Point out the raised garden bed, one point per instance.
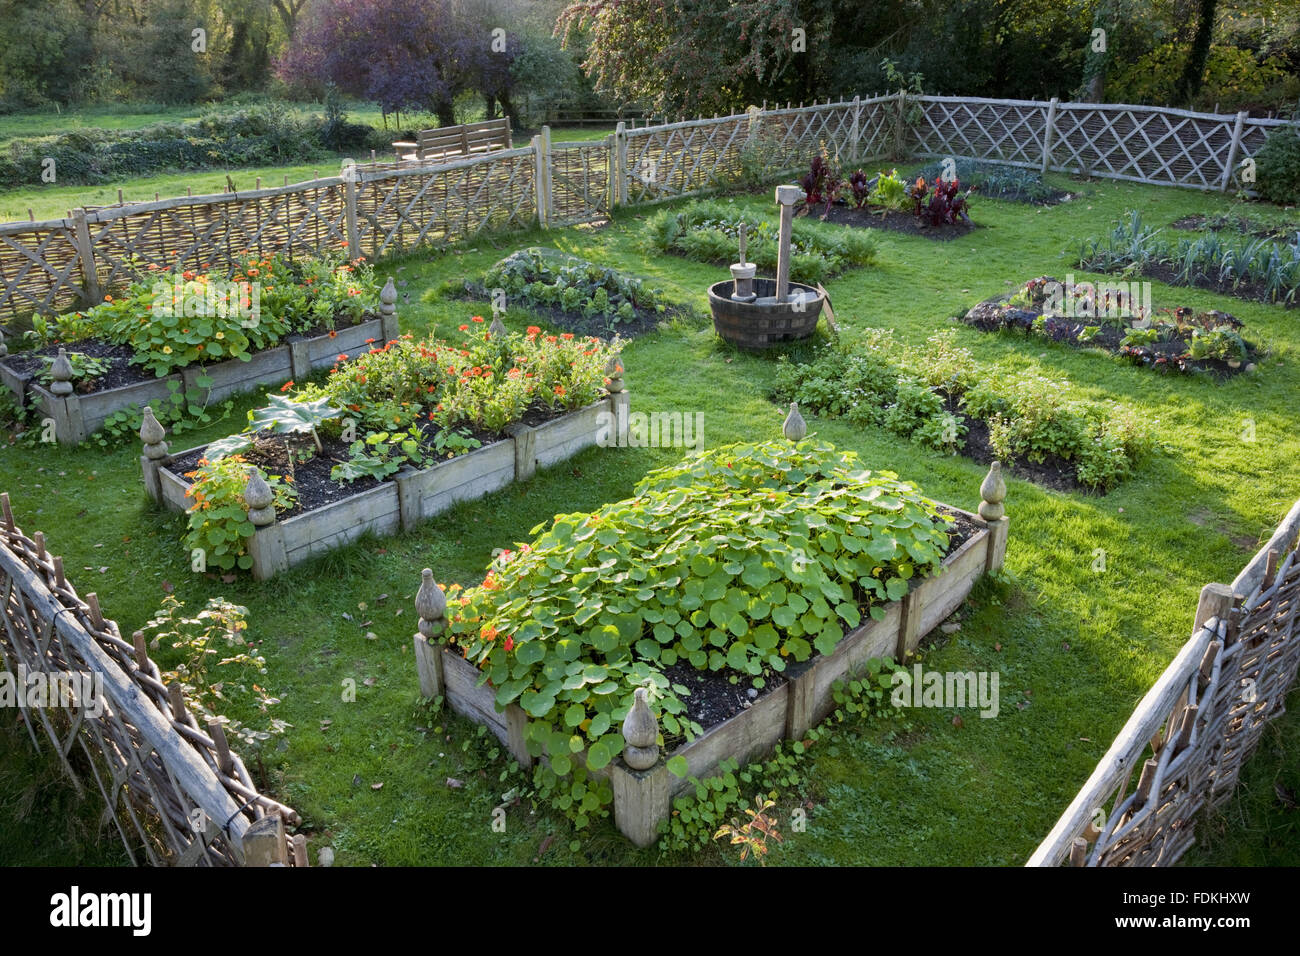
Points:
(892, 220)
(1253, 268)
(709, 232)
(411, 496)
(937, 396)
(571, 294)
(80, 414)
(785, 709)
(998, 181)
(1115, 320)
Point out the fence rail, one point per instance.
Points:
(1197, 725)
(382, 208)
(174, 790)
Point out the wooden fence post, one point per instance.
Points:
(855, 131)
(1049, 133)
(1216, 601)
(350, 210)
(85, 256)
(617, 160)
(542, 156)
(1232, 151)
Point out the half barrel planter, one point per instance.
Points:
(77, 417)
(412, 495)
(643, 798)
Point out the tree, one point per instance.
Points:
(1189, 84)
(402, 54)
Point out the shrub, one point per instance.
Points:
(549, 277)
(1277, 166)
(710, 232)
(913, 391)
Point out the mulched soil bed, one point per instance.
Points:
(1247, 291)
(714, 698)
(988, 316)
(1052, 472)
(121, 372)
(312, 478)
(892, 220)
(1240, 224)
(580, 325)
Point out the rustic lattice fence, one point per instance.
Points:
(175, 791)
(382, 208)
(1197, 725)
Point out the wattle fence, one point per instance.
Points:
(1197, 725)
(175, 792)
(382, 209)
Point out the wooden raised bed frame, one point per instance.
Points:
(643, 798)
(77, 417)
(413, 495)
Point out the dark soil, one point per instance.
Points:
(311, 471)
(1053, 472)
(714, 698)
(989, 316)
(600, 326)
(1247, 291)
(891, 219)
(1240, 224)
(121, 372)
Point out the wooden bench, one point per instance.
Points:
(451, 142)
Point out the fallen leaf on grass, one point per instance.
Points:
(546, 845)
(958, 722)
(377, 786)
(369, 682)
(454, 783)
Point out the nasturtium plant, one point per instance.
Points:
(738, 560)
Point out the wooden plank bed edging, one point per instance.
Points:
(643, 798)
(414, 495)
(77, 417)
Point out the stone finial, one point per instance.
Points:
(794, 427)
(61, 372)
(152, 434)
(614, 372)
(4, 349)
(640, 734)
(497, 328)
(258, 498)
(430, 605)
(992, 492)
(388, 297)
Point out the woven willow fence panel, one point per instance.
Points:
(399, 209)
(1197, 725)
(174, 791)
(39, 267)
(579, 182)
(57, 264)
(1167, 147)
(213, 232)
(1004, 132)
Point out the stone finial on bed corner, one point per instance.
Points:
(794, 427)
(430, 605)
(640, 734)
(993, 490)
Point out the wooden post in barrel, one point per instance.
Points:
(786, 197)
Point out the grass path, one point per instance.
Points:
(1076, 649)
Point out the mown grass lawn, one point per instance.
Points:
(1075, 648)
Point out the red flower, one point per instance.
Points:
(533, 331)
(464, 328)
(567, 335)
(510, 643)
(477, 318)
(286, 386)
